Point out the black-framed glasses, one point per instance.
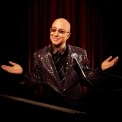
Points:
(61, 31)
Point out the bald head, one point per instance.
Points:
(60, 33)
(63, 23)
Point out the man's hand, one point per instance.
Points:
(109, 62)
(14, 68)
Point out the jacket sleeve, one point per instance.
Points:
(31, 81)
(99, 79)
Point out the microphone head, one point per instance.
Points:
(74, 55)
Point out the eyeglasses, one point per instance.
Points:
(61, 31)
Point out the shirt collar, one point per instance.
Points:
(55, 51)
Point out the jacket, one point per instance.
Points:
(43, 82)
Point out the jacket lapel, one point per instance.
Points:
(50, 67)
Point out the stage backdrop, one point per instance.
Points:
(95, 26)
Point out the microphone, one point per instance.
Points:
(75, 56)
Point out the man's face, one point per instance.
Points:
(59, 33)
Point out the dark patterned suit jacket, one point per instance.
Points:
(45, 82)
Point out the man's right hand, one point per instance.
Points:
(14, 68)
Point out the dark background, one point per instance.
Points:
(96, 25)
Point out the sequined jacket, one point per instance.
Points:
(45, 81)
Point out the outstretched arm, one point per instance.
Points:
(14, 68)
(109, 62)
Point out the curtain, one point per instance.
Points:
(95, 27)
(85, 19)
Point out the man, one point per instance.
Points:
(65, 85)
